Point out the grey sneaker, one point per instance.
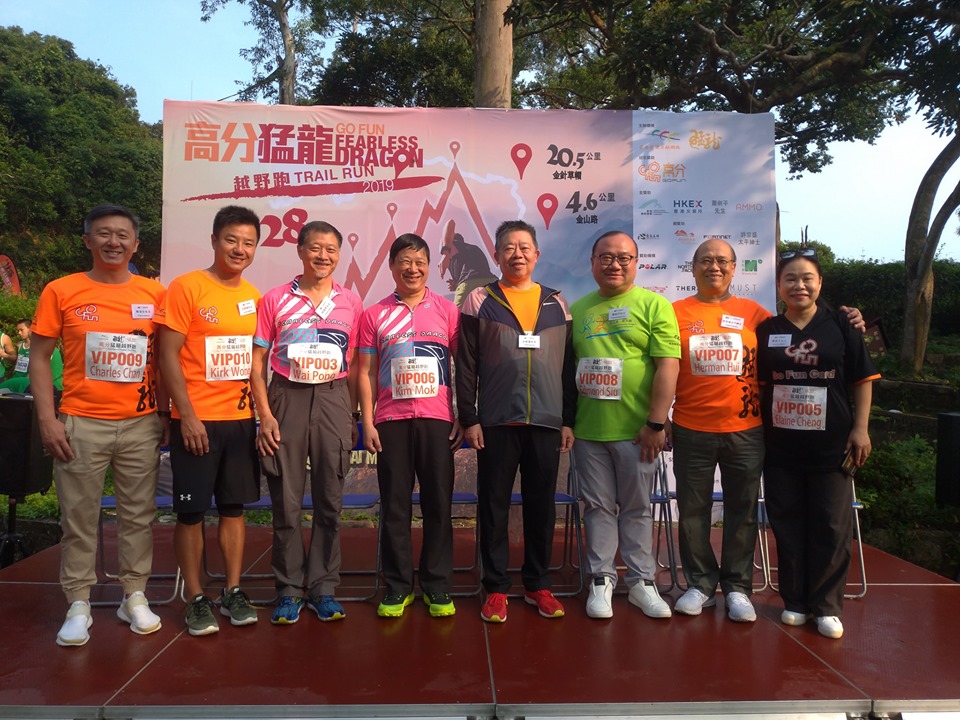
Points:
(235, 604)
(200, 617)
(693, 601)
(739, 608)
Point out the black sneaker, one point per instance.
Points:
(440, 604)
(200, 617)
(235, 604)
(393, 604)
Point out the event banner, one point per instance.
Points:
(452, 176)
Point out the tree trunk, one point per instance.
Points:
(288, 75)
(922, 241)
(493, 57)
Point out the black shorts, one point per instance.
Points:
(230, 470)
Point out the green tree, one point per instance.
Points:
(287, 56)
(70, 138)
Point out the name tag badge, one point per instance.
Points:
(247, 307)
(619, 313)
(780, 340)
(142, 312)
(325, 307)
(732, 322)
(529, 341)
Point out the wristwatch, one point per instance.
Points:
(655, 426)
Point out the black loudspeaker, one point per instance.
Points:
(948, 460)
(24, 466)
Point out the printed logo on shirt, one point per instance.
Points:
(695, 328)
(804, 353)
(87, 313)
(209, 314)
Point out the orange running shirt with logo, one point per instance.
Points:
(717, 387)
(525, 304)
(108, 342)
(219, 323)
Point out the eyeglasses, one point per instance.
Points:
(606, 259)
(722, 263)
(804, 252)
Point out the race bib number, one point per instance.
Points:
(115, 358)
(23, 362)
(415, 377)
(716, 354)
(600, 378)
(228, 357)
(798, 407)
(314, 363)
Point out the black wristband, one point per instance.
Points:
(655, 426)
(356, 414)
(163, 413)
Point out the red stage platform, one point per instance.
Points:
(899, 654)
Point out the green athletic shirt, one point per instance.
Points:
(635, 327)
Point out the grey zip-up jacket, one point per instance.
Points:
(500, 383)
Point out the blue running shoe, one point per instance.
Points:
(288, 611)
(326, 608)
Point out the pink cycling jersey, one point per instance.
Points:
(288, 321)
(414, 350)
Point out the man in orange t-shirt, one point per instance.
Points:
(206, 346)
(107, 415)
(716, 420)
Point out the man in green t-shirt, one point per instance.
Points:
(627, 346)
(20, 381)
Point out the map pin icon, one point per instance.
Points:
(401, 161)
(391, 209)
(547, 205)
(521, 154)
(454, 148)
(353, 239)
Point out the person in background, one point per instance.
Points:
(19, 382)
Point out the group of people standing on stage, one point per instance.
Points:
(515, 372)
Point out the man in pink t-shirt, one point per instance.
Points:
(308, 327)
(407, 341)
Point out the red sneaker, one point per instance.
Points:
(495, 608)
(546, 603)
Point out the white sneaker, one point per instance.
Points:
(789, 617)
(598, 601)
(830, 626)
(136, 610)
(693, 601)
(739, 608)
(646, 597)
(74, 630)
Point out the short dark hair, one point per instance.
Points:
(611, 233)
(25, 321)
(235, 215)
(510, 226)
(318, 226)
(411, 241)
(109, 210)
